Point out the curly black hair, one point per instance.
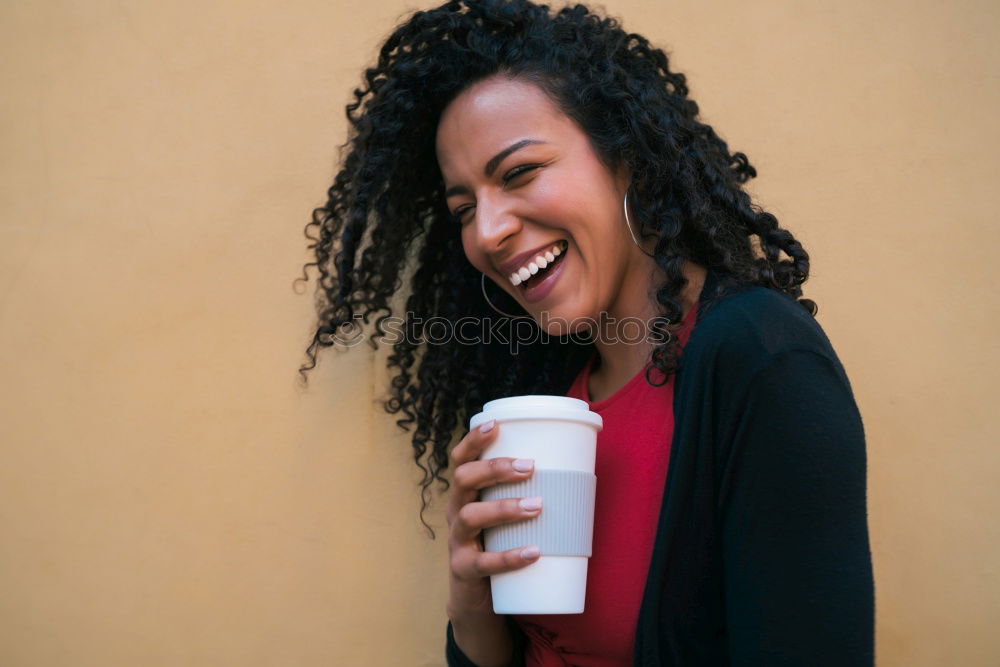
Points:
(385, 215)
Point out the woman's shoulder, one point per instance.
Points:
(745, 326)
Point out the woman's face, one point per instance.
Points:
(550, 188)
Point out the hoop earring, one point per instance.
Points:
(628, 224)
(486, 296)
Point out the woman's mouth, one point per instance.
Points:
(537, 278)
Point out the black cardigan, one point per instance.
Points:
(761, 554)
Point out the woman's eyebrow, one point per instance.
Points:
(492, 164)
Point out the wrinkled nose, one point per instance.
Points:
(494, 224)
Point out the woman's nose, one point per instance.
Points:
(494, 221)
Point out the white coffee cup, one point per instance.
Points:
(560, 434)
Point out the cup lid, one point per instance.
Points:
(537, 406)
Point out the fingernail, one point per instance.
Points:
(528, 553)
(523, 465)
(531, 503)
(488, 426)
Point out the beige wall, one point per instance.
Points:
(169, 495)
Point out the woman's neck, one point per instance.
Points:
(619, 360)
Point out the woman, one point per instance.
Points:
(550, 166)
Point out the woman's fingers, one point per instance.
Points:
(473, 517)
(471, 566)
(473, 444)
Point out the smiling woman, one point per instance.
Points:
(550, 164)
(550, 189)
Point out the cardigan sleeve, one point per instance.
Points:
(798, 583)
(456, 658)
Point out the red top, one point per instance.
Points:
(633, 450)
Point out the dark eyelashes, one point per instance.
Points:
(509, 176)
(517, 171)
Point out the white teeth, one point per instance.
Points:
(539, 262)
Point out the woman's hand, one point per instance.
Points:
(470, 565)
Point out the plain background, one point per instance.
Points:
(171, 495)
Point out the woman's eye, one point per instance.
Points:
(509, 176)
(517, 171)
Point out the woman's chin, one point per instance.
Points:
(561, 321)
